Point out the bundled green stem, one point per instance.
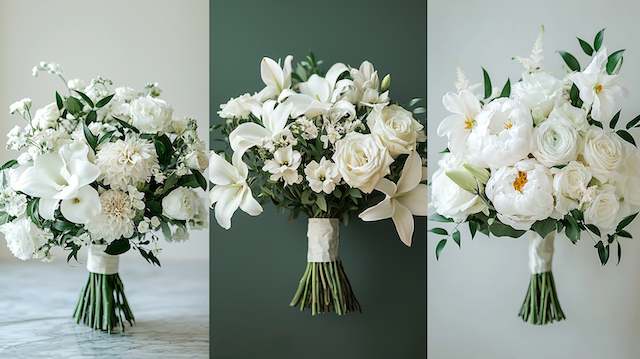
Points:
(102, 303)
(541, 305)
(324, 287)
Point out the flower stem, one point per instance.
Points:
(541, 305)
(102, 304)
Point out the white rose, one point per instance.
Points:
(46, 117)
(538, 91)
(603, 209)
(396, 128)
(447, 198)
(150, 115)
(569, 186)
(574, 115)
(602, 152)
(502, 134)
(362, 160)
(181, 204)
(240, 107)
(555, 142)
(521, 194)
(197, 159)
(23, 237)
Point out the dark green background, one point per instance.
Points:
(256, 265)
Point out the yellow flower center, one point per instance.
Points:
(508, 124)
(469, 123)
(520, 181)
(598, 88)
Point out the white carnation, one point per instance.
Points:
(46, 117)
(24, 238)
(127, 162)
(241, 107)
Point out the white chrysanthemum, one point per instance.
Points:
(116, 219)
(127, 162)
(24, 238)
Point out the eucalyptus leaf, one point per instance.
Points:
(8, 164)
(633, 122)
(456, 237)
(473, 228)
(59, 101)
(506, 89)
(440, 247)
(626, 221)
(85, 98)
(614, 62)
(440, 231)
(73, 105)
(104, 101)
(500, 229)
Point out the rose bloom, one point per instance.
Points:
(150, 115)
(521, 194)
(603, 153)
(362, 160)
(555, 142)
(182, 204)
(569, 185)
(602, 211)
(396, 128)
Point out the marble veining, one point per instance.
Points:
(171, 306)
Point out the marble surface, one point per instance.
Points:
(171, 306)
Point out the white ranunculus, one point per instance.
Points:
(20, 107)
(284, 165)
(464, 108)
(555, 142)
(396, 128)
(323, 176)
(150, 115)
(538, 91)
(362, 160)
(23, 237)
(521, 194)
(603, 153)
(569, 186)
(241, 107)
(602, 211)
(449, 199)
(574, 115)
(502, 135)
(182, 204)
(46, 117)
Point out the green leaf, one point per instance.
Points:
(593, 229)
(463, 179)
(105, 138)
(419, 110)
(574, 96)
(8, 164)
(626, 221)
(322, 203)
(73, 105)
(103, 101)
(614, 62)
(85, 98)
(500, 229)
(544, 227)
(62, 226)
(306, 198)
(89, 136)
(440, 247)
(355, 193)
(571, 229)
(32, 211)
(506, 89)
(59, 102)
(440, 218)
(446, 150)
(586, 47)
(619, 252)
(473, 228)
(117, 247)
(200, 178)
(570, 60)
(456, 237)
(603, 252)
(126, 125)
(440, 231)
(487, 84)
(164, 149)
(633, 122)
(91, 116)
(625, 135)
(597, 41)
(166, 231)
(614, 120)
(624, 234)
(595, 123)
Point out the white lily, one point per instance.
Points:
(276, 79)
(230, 189)
(598, 90)
(318, 94)
(61, 178)
(274, 119)
(464, 107)
(403, 200)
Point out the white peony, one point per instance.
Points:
(150, 115)
(569, 185)
(182, 204)
(602, 211)
(24, 238)
(127, 162)
(449, 199)
(396, 128)
(284, 165)
(574, 115)
(464, 107)
(555, 142)
(241, 107)
(116, 219)
(362, 160)
(323, 176)
(521, 194)
(502, 135)
(46, 117)
(603, 153)
(538, 91)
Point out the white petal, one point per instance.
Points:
(334, 72)
(81, 208)
(386, 186)
(287, 72)
(47, 208)
(382, 210)
(249, 205)
(86, 171)
(278, 118)
(411, 173)
(415, 200)
(42, 179)
(221, 172)
(317, 87)
(403, 221)
(271, 73)
(247, 135)
(241, 168)
(227, 203)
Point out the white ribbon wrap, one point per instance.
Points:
(323, 236)
(540, 252)
(100, 262)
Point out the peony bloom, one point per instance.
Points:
(150, 115)
(539, 92)
(323, 176)
(599, 90)
(503, 134)
(464, 107)
(127, 162)
(449, 199)
(24, 238)
(603, 153)
(521, 194)
(284, 166)
(569, 185)
(396, 128)
(602, 209)
(362, 160)
(116, 219)
(555, 142)
(230, 189)
(403, 200)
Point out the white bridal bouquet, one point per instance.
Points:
(541, 157)
(326, 145)
(102, 168)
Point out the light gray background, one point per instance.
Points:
(130, 42)
(474, 294)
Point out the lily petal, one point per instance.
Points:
(382, 210)
(248, 204)
(227, 203)
(334, 73)
(271, 73)
(81, 208)
(247, 135)
(221, 172)
(411, 173)
(47, 208)
(415, 200)
(386, 186)
(403, 221)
